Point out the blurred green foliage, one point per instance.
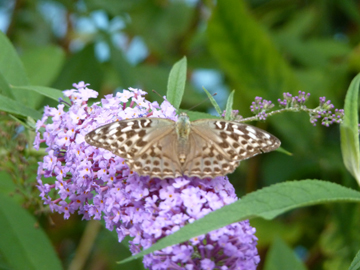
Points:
(257, 47)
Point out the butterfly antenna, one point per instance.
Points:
(213, 95)
(158, 94)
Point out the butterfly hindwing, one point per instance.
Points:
(159, 159)
(205, 160)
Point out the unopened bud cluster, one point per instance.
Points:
(260, 106)
(324, 113)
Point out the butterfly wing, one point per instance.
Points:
(160, 160)
(147, 144)
(205, 160)
(218, 146)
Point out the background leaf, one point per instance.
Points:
(281, 257)
(355, 265)
(52, 93)
(11, 67)
(19, 229)
(176, 83)
(213, 102)
(17, 108)
(5, 89)
(350, 131)
(229, 106)
(246, 53)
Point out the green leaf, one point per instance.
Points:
(355, 265)
(284, 151)
(12, 69)
(52, 93)
(176, 83)
(22, 245)
(213, 102)
(27, 98)
(266, 203)
(5, 88)
(349, 130)
(246, 53)
(43, 64)
(17, 108)
(229, 106)
(281, 257)
(10, 65)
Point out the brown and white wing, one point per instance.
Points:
(146, 144)
(160, 159)
(205, 160)
(218, 146)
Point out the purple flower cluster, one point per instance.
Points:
(233, 116)
(294, 102)
(99, 185)
(260, 106)
(323, 111)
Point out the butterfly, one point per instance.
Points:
(162, 148)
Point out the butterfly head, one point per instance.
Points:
(183, 126)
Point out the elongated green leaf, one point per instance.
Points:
(5, 87)
(229, 106)
(281, 257)
(10, 65)
(27, 98)
(17, 108)
(22, 245)
(176, 83)
(213, 102)
(266, 203)
(349, 130)
(49, 92)
(355, 265)
(246, 53)
(12, 68)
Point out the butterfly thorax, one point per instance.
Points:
(183, 131)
